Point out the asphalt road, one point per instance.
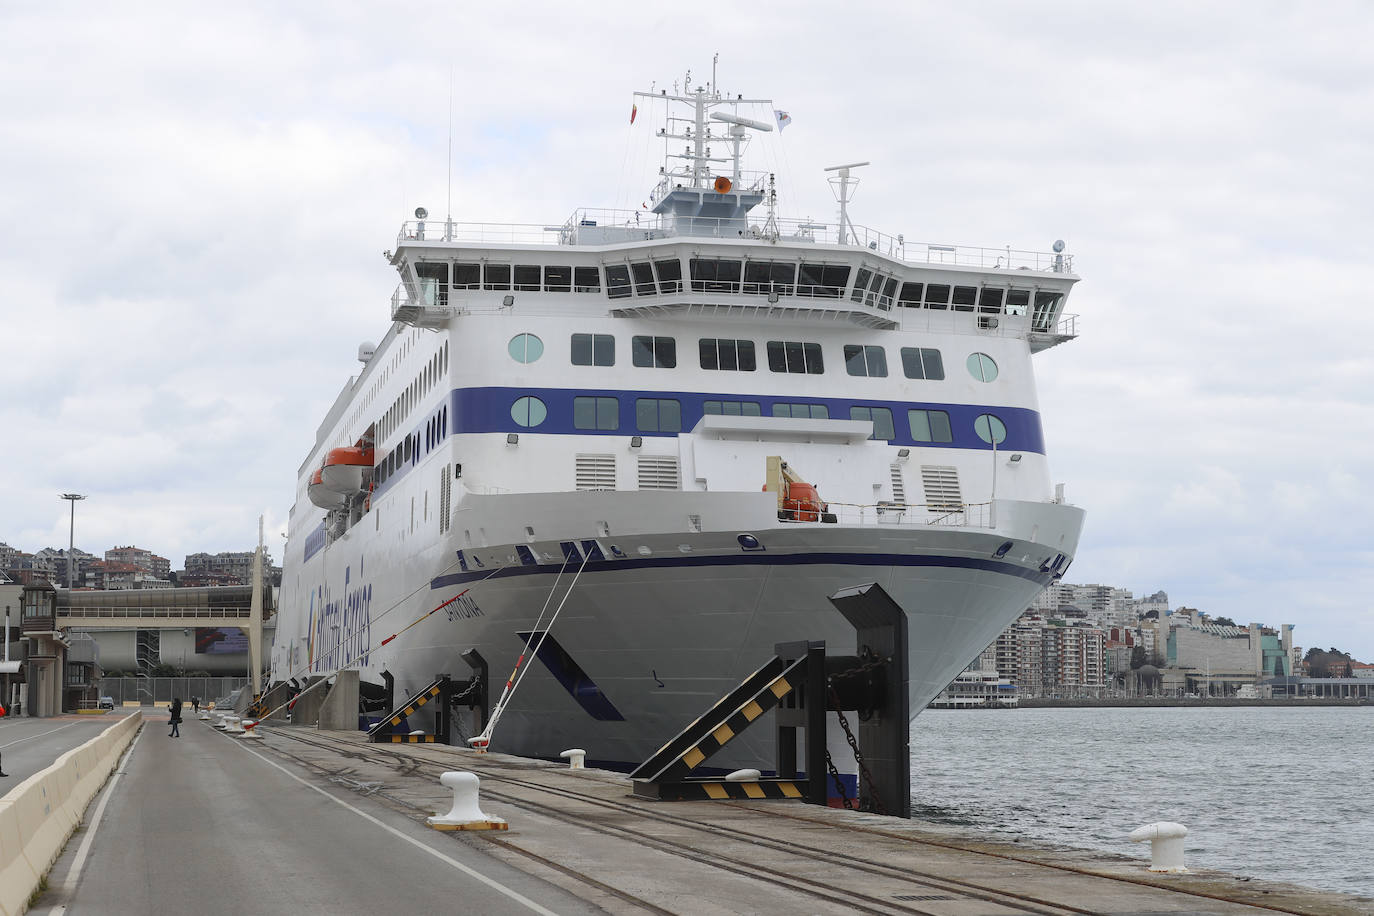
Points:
(208, 824)
(29, 745)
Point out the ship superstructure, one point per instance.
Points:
(686, 426)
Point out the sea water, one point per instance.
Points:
(1284, 794)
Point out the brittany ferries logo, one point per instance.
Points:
(340, 629)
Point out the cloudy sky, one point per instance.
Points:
(196, 202)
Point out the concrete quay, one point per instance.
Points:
(319, 821)
(28, 745)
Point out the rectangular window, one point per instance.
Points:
(713, 275)
(822, 281)
(793, 356)
(586, 280)
(669, 275)
(881, 417)
(964, 297)
(937, 296)
(593, 350)
(861, 280)
(527, 278)
(802, 411)
(643, 274)
(731, 355)
(888, 291)
(557, 279)
(1018, 301)
(496, 276)
(911, 295)
(990, 300)
(618, 281)
(733, 408)
(658, 415)
(1046, 307)
(922, 362)
(596, 413)
(654, 352)
(929, 425)
(865, 360)
(764, 277)
(467, 275)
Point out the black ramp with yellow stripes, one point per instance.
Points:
(759, 693)
(381, 732)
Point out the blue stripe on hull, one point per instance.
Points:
(758, 559)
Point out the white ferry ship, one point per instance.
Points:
(682, 428)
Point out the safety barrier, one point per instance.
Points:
(38, 815)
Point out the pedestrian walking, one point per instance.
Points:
(195, 705)
(175, 720)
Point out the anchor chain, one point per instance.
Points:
(839, 785)
(874, 801)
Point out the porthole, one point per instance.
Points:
(990, 429)
(525, 348)
(528, 411)
(982, 367)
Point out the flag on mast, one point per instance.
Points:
(783, 119)
(634, 110)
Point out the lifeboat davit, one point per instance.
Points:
(322, 496)
(345, 469)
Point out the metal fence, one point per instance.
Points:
(149, 690)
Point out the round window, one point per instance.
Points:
(981, 367)
(525, 348)
(990, 429)
(528, 411)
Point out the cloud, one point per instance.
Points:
(198, 201)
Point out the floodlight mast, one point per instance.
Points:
(842, 185)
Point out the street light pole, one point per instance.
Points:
(71, 541)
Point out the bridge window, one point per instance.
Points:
(937, 296)
(982, 367)
(822, 281)
(527, 278)
(596, 413)
(669, 275)
(658, 415)
(911, 295)
(922, 362)
(526, 348)
(990, 429)
(593, 350)
(714, 275)
(802, 411)
(1046, 305)
(527, 411)
(732, 408)
(794, 356)
(1018, 301)
(732, 355)
(929, 425)
(586, 280)
(865, 360)
(764, 277)
(861, 284)
(990, 300)
(618, 281)
(557, 279)
(881, 417)
(496, 276)
(467, 275)
(964, 297)
(643, 274)
(654, 352)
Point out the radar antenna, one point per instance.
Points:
(842, 184)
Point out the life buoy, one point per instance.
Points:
(723, 185)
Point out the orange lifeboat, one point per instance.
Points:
(803, 503)
(346, 469)
(321, 495)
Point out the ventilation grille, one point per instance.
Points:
(898, 485)
(658, 472)
(445, 497)
(596, 472)
(941, 484)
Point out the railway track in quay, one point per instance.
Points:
(582, 831)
